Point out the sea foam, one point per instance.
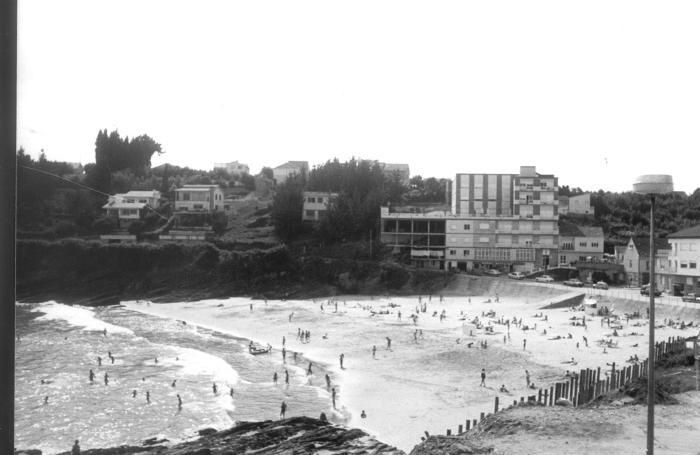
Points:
(78, 316)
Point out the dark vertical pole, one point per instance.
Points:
(495, 405)
(652, 289)
(8, 190)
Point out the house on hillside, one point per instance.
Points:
(579, 204)
(199, 198)
(681, 274)
(580, 243)
(284, 171)
(316, 205)
(131, 206)
(636, 259)
(233, 168)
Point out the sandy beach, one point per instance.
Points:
(429, 382)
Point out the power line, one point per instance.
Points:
(83, 186)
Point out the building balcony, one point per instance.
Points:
(425, 253)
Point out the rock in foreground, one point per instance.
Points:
(296, 435)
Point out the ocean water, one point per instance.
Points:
(59, 344)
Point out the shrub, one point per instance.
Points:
(64, 229)
(104, 225)
(137, 227)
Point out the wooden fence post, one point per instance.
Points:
(460, 429)
(495, 405)
(449, 432)
(469, 424)
(551, 395)
(539, 396)
(481, 417)
(546, 397)
(474, 423)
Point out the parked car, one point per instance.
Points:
(516, 275)
(691, 297)
(544, 279)
(493, 272)
(645, 291)
(601, 285)
(574, 282)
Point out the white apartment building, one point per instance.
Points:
(233, 168)
(284, 171)
(504, 221)
(127, 207)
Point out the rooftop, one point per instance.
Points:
(642, 244)
(293, 165)
(568, 229)
(688, 233)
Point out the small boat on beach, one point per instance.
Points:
(259, 350)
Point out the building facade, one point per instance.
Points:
(233, 168)
(503, 221)
(580, 244)
(636, 259)
(681, 272)
(284, 171)
(131, 206)
(316, 204)
(397, 170)
(581, 204)
(199, 198)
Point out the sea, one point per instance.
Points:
(56, 403)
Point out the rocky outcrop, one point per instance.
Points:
(296, 435)
(450, 445)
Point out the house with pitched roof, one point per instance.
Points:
(199, 198)
(131, 206)
(580, 243)
(281, 173)
(680, 273)
(637, 259)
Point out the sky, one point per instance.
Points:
(595, 92)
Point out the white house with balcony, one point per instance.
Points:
(199, 198)
(681, 272)
(131, 206)
(316, 204)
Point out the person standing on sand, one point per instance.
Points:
(106, 379)
(283, 410)
(284, 340)
(286, 377)
(483, 378)
(524, 343)
(527, 378)
(92, 376)
(328, 381)
(308, 370)
(76, 448)
(274, 377)
(342, 356)
(333, 396)
(99, 361)
(284, 355)
(374, 351)
(133, 394)
(148, 397)
(388, 343)
(179, 402)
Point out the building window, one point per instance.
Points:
(583, 244)
(197, 206)
(453, 252)
(310, 213)
(684, 265)
(311, 199)
(562, 259)
(467, 227)
(693, 265)
(582, 258)
(594, 244)
(186, 197)
(466, 252)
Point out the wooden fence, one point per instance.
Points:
(585, 386)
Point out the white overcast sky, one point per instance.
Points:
(595, 92)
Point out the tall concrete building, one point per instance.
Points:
(503, 221)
